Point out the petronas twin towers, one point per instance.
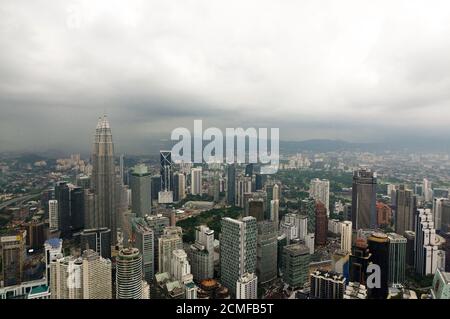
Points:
(104, 178)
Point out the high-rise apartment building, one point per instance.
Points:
(346, 236)
(238, 242)
(97, 275)
(327, 285)
(247, 287)
(320, 191)
(129, 274)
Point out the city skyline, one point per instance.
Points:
(315, 71)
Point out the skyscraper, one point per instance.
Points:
(140, 182)
(346, 236)
(143, 239)
(77, 209)
(266, 252)
(13, 258)
(237, 250)
(62, 195)
(104, 178)
(96, 274)
(321, 224)
(202, 254)
(168, 242)
(378, 244)
(295, 265)
(196, 181)
(320, 191)
(231, 184)
(364, 195)
(327, 285)
(129, 274)
(165, 158)
(397, 259)
(179, 184)
(53, 214)
(406, 206)
(97, 239)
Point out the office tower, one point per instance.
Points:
(129, 274)
(77, 209)
(97, 275)
(397, 259)
(231, 184)
(276, 192)
(247, 287)
(155, 188)
(308, 209)
(441, 214)
(274, 212)
(216, 188)
(168, 242)
(201, 254)
(327, 285)
(364, 195)
(53, 215)
(179, 184)
(359, 260)
(378, 244)
(67, 278)
(384, 214)
(321, 224)
(320, 191)
(256, 208)
(180, 269)
(13, 257)
(426, 249)
(266, 252)
(157, 223)
(310, 242)
(140, 182)
(143, 239)
(441, 285)
(98, 240)
(196, 181)
(295, 266)
(346, 236)
(35, 234)
(104, 178)
(238, 241)
(426, 190)
(62, 195)
(406, 206)
(410, 247)
(53, 248)
(165, 158)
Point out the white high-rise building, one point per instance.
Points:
(320, 191)
(309, 242)
(53, 214)
(276, 192)
(181, 186)
(247, 287)
(97, 282)
(426, 248)
(167, 243)
(438, 205)
(196, 181)
(302, 227)
(66, 278)
(346, 236)
(274, 211)
(180, 269)
(427, 191)
(53, 249)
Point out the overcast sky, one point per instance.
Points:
(352, 70)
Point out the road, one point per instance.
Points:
(17, 200)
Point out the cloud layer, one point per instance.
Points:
(352, 69)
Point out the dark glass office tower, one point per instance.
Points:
(364, 196)
(77, 208)
(231, 184)
(359, 260)
(155, 187)
(378, 244)
(62, 195)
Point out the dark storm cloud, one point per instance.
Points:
(355, 70)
